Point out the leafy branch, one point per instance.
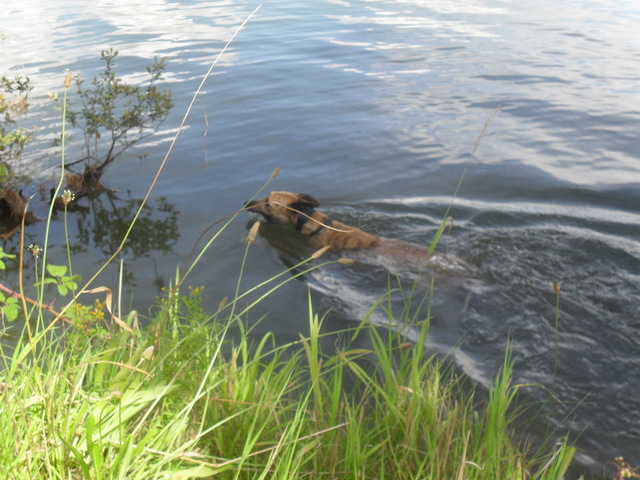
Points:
(14, 96)
(114, 115)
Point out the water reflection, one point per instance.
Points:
(96, 227)
(107, 220)
(41, 39)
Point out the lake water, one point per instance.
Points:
(374, 107)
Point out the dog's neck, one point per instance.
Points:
(305, 223)
(323, 231)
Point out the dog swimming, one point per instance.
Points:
(299, 211)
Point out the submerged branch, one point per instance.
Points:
(44, 306)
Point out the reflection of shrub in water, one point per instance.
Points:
(109, 218)
(12, 207)
(14, 100)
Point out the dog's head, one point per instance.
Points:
(285, 207)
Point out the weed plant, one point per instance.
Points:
(184, 399)
(89, 394)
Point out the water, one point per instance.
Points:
(374, 107)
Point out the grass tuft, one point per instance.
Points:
(184, 399)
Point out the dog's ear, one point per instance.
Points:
(306, 200)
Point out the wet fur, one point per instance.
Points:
(300, 211)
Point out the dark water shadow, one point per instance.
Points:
(96, 227)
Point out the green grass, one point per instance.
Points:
(182, 398)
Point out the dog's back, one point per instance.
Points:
(321, 230)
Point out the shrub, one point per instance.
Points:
(14, 95)
(114, 115)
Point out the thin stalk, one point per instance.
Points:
(45, 247)
(21, 276)
(485, 127)
(180, 128)
(229, 218)
(68, 245)
(254, 231)
(556, 290)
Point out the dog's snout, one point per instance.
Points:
(252, 204)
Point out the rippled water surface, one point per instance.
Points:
(374, 108)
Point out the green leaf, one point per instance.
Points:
(11, 308)
(46, 281)
(10, 312)
(4, 255)
(79, 457)
(57, 270)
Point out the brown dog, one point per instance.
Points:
(300, 211)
